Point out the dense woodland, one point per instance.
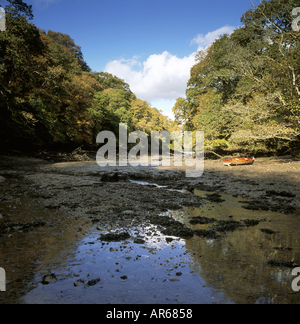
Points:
(51, 98)
(243, 91)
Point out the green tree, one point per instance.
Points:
(245, 87)
(20, 44)
(109, 81)
(68, 43)
(18, 9)
(269, 66)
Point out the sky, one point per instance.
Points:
(150, 44)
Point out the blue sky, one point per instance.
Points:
(151, 44)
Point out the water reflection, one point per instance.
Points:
(154, 272)
(27, 255)
(236, 264)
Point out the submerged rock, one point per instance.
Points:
(202, 220)
(210, 234)
(267, 230)
(250, 222)
(139, 241)
(227, 226)
(114, 237)
(179, 230)
(282, 263)
(283, 248)
(263, 205)
(49, 278)
(214, 197)
(93, 282)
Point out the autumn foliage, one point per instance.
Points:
(48, 94)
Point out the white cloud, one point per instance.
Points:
(161, 77)
(205, 41)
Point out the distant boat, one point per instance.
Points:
(239, 161)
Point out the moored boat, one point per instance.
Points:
(239, 161)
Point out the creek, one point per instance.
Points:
(68, 260)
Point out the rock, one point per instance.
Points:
(52, 206)
(227, 226)
(201, 220)
(283, 248)
(128, 212)
(49, 278)
(124, 277)
(281, 193)
(282, 263)
(250, 222)
(210, 234)
(267, 230)
(214, 197)
(110, 178)
(93, 282)
(114, 237)
(139, 241)
(169, 239)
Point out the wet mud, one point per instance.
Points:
(75, 233)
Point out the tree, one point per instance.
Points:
(109, 81)
(184, 113)
(20, 44)
(18, 9)
(270, 66)
(67, 42)
(50, 97)
(246, 87)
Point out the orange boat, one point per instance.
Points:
(239, 161)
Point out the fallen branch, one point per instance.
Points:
(221, 157)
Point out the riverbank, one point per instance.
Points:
(268, 176)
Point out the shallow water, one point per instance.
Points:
(155, 272)
(162, 269)
(236, 264)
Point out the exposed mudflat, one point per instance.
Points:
(73, 232)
